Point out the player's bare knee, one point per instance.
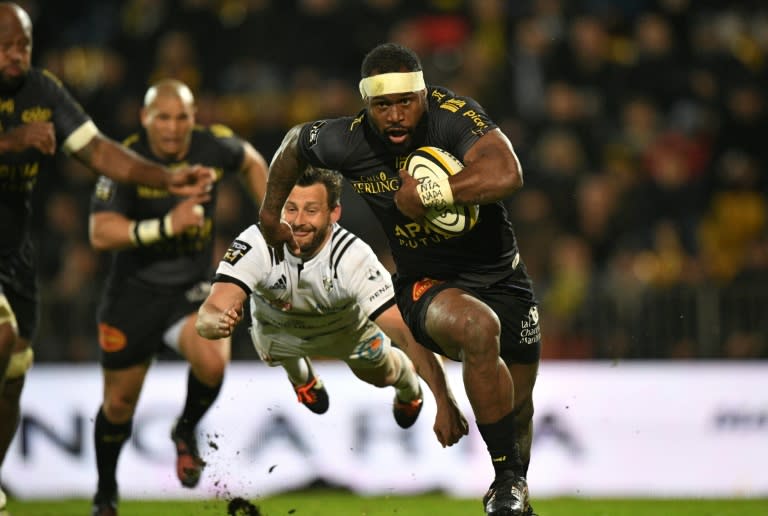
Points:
(480, 337)
(211, 373)
(467, 323)
(119, 408)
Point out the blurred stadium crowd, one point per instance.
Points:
(641, 126)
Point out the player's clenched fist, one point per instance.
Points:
(215, 324)
(189, 213)
(38, 135)
(191, 180)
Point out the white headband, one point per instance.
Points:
(388, 83)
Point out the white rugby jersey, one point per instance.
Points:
(338, 291)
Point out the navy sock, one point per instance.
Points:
(502, 445)
(109, 439)
(200, 397)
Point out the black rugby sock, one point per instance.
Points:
(502, 445)
(200, 397)
(109, 439)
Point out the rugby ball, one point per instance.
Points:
(431, 164)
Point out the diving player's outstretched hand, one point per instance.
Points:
(229, 319)
(214, 323)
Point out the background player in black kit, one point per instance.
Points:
(161, 266)
(38, 116)
(469, 297)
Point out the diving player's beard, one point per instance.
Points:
(309, 249)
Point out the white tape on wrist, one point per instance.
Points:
(435, 194)
(145, 232)
(167, 225)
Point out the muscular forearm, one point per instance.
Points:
(122, 164)
(431, 370)
(111, 231)
(285, 168)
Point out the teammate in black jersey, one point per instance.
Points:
(468, 297)
(161, 266)
(37, 117)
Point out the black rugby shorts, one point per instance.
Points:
(19, 285)
(520, 330)
(133, 318)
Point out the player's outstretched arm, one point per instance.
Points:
(110, 230)
(221, 311)
(450, 424)
(118, 162)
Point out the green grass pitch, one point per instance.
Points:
(332, 503)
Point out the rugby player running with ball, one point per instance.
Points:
(468, 297)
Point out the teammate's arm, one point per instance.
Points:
(285, 168)
(110, 230)
(450, 424)
(254, 172)
(221, 311)
(118, 162)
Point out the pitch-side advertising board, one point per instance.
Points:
(601, 429)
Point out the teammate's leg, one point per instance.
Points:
(10, 393)
(208, 360)
(15, 359)
(114, 422)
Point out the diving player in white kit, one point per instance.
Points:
(334, 299)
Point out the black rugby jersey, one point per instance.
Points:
(185, 258)
(41, 98)
(349, 144)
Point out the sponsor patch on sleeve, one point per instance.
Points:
(237, 249)
(314, 132)
(105, 189)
